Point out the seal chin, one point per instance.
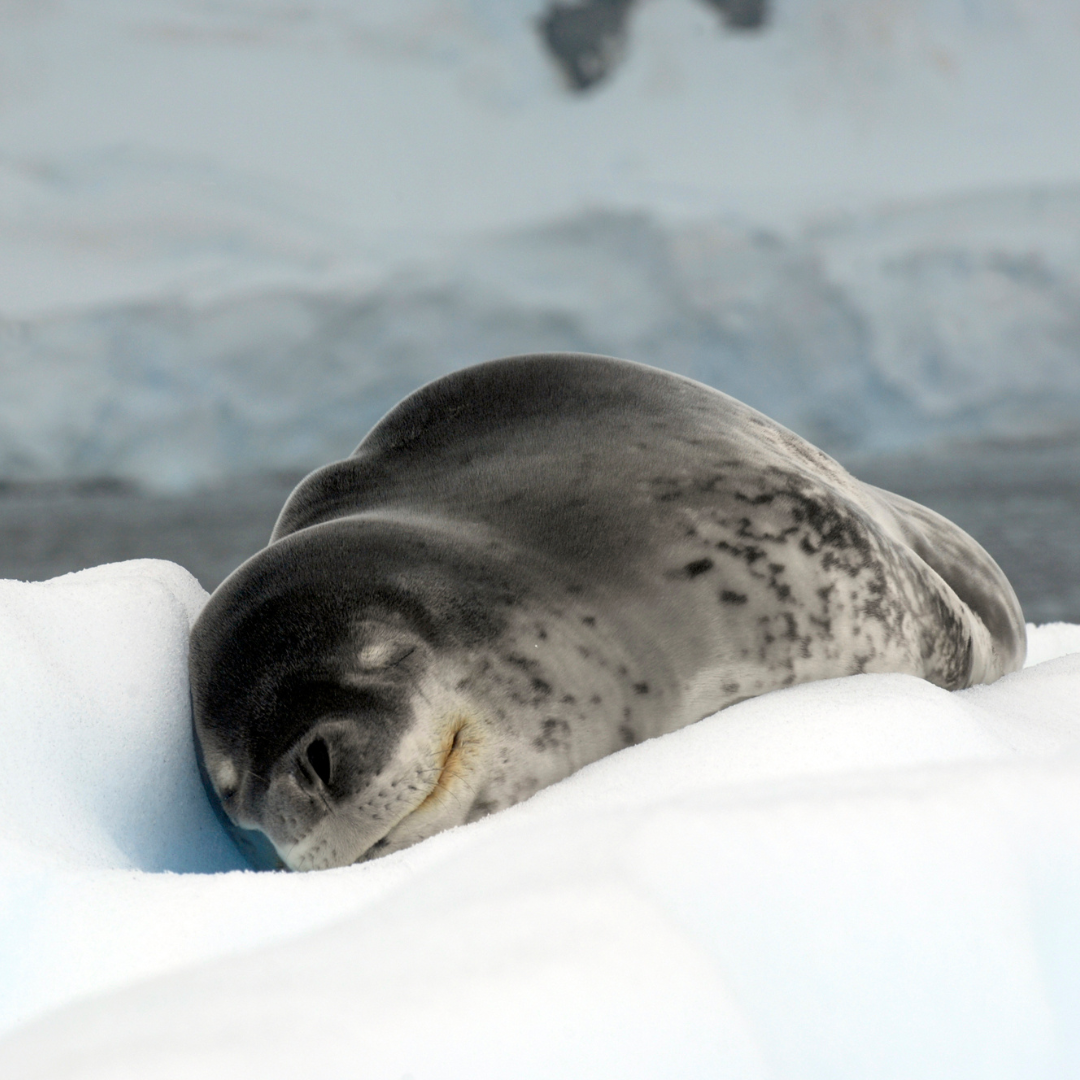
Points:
(381, 819)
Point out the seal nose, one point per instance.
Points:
(320, 764)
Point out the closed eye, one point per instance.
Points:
(384, 654)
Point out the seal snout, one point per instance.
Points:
(330, 762)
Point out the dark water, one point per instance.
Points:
(1021, 503)
(50, 530)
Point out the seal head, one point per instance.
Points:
(327, 704)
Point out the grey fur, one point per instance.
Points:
(534, 562)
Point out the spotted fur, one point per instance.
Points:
(535, 562)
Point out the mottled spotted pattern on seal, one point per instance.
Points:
(534, 562)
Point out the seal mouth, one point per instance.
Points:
(454, 758)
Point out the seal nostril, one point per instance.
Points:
(318, 755)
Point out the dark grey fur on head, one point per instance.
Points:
(534, 562)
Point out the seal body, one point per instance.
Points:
(534, 562)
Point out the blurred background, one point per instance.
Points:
(234, 232)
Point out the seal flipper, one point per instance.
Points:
(969, 571)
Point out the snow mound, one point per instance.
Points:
(1051, 640)
(95, 722)
(865, 876)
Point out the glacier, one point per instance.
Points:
(233, 234)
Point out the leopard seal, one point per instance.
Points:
(537, 561)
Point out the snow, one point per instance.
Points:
(233, 234)
(864, 876)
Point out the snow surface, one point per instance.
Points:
(233, 233)
(858, 877)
